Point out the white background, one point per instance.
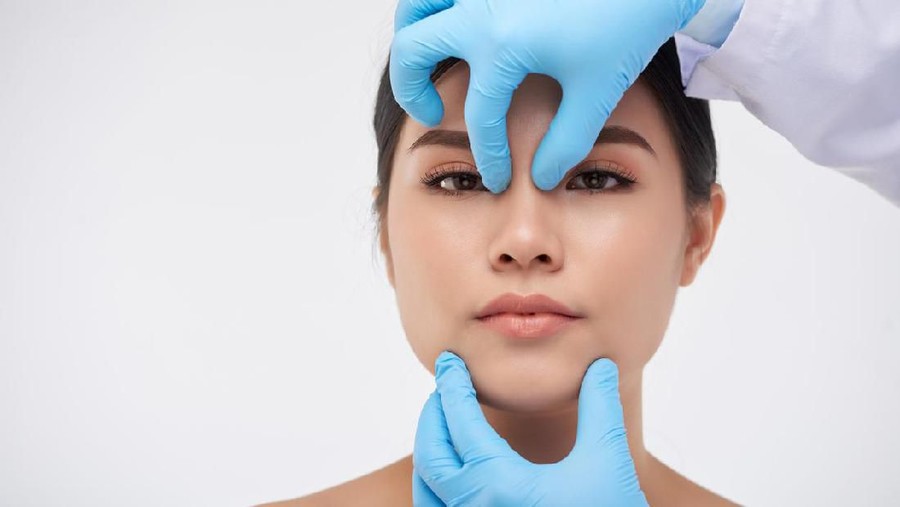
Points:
(192, 311)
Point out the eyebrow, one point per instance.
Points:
(460, 139)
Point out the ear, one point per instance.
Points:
(383, 241)
(703, 228)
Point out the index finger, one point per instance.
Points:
(487, 104)
(435, 461)
(415, 51)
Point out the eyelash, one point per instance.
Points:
(623, 177)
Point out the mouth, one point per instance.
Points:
(531, 316)
(532, 304)
(528, 325)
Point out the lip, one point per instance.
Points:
(532, 303)
(532, 316)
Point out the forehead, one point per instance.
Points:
(533, 106)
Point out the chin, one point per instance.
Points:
(526, 386)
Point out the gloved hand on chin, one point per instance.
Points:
(459, 460)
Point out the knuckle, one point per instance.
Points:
(415, 95)
(501, 34)
(404, 45)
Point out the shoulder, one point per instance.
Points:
(389, 486)
(671, 489)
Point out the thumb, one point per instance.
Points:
(600, 417)
(571, 134)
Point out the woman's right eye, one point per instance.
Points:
(460, 182)
(453, 181)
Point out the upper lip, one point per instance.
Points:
(532, 303)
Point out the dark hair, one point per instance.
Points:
(688, 120)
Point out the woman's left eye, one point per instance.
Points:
(599, 180)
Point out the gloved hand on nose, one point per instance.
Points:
(595, 49)
(459, 460)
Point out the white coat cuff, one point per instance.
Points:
(714, 21)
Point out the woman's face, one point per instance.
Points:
(616, 256)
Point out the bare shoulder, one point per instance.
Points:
(675, 490)
(698, 496)
(390, 485)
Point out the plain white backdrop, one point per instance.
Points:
(192, 311)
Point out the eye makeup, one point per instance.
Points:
(595, 175)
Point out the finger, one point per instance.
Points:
(434, 458)
(472, 436)
(571, 135)
(410, 11)
(415, 51)
(422, 494)
(600, 416)
(487, 104)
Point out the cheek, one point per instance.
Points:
(630, 264)
(434, 251)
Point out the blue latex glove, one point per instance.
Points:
(595, 49)
(459, 460)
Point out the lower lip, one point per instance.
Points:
(516, 325)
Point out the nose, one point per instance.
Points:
(527, 238)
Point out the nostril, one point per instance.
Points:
(544, 258)
(506, 258)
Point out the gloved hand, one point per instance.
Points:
(459, 460)
(595, 49)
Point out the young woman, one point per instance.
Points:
(614, 241)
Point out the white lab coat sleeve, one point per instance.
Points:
(824, 74)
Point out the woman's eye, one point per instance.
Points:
(597, 180)
(454, 181)
(460, 182)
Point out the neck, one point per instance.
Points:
(548, 437)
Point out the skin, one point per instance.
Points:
(617, 257)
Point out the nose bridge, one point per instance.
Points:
(525, 202)
(526, 235)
